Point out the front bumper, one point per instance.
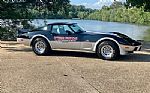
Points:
(24, 41)
(129, 49)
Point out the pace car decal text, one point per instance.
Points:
(71, 39)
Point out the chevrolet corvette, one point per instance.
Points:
(70, 36)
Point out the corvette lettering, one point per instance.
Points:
(58, 38)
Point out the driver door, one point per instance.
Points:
(64, 38)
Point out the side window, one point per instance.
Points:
(67, 28)
(62, 29)
(58, 29)
(55, 29)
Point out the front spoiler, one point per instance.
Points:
(124, 49)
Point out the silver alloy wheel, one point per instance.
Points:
(40, 47)
(107, 51)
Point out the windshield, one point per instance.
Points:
(76, 28)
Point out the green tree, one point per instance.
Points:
(78, 11)
(139, 3)
(24, 10)
(121, 14)
(116, 4)
(29, 10)
(83, 15)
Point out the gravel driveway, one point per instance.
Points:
(21, 71)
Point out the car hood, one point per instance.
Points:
(116, 34)
(99, 33)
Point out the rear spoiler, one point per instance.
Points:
(22, 32)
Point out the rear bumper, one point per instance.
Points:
(129, 49)
(24, 41)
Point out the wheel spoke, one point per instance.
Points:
(107, 51)
(40, 47)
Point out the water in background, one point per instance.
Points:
(134, 31)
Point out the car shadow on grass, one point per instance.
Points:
(135, 58)
(73, 54)
(126, 58)
(138, 57)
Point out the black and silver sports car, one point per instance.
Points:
(69, 36)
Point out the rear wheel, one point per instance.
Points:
(40, 46)
(108, 50)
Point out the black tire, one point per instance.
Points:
(104, 47)
(46, 47)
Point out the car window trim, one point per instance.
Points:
(63, 25)
(74, 30)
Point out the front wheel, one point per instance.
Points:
(108, 50)
(40, 46)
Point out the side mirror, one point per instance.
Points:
(68, 32)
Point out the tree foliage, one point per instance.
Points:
(122, 14)
(26, 10)
(32, 9)
(79, 11)
(139, 3)
(36, 9)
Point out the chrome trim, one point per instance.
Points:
(107, 51)
(72, 45)
(40, 36)
(65, 45)
(40, 47)
(82, 46)
(122, 52)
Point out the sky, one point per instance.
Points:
(94, 4)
